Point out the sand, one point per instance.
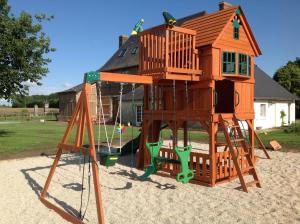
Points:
(159, 200)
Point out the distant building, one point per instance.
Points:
(270, 99)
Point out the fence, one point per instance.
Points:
(18, 114)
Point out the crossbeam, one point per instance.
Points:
(125, 78)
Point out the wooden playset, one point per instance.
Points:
(200, 72)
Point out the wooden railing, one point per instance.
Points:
(199, 162)
(168, 50)
(225, 166)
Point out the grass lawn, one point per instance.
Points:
(33, 137)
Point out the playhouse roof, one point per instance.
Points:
(208, 26)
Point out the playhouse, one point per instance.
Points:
(199, 70)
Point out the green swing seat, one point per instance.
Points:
(185, 174)
(109, 158)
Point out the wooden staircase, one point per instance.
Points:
(236, 142)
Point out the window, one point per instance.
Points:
(228, 62)
(139, 114)
(243, 64)
(249, 65)
(263, 109)
(122, 52)
(236, 29)
(134, 50)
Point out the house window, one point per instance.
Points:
(249, 65)
(122, 52)
(236, 29)
(134, 50)
(228, 62)
(139, 114)
(243, 64)
(263, 110)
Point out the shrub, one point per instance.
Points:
(293, 128)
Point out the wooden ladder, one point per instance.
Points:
(235, 142)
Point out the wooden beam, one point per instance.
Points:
(125, 78)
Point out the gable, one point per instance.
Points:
(209, 26)
(246, 42)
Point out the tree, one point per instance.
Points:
(289, 77)
(23, 47)
(40, 100)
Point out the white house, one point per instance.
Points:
(270, 101)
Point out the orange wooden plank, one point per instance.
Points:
(126, 78)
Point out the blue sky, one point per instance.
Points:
(85, 33)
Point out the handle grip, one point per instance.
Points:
(238, 98)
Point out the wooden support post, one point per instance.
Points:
(251, 140)
(82, 111)
(212, 152)
(96, 178)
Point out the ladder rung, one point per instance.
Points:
(221, 144)
(238, 140)
(249, 184)
(248, 169)
(233, 126)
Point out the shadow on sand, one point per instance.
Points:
(74, 160)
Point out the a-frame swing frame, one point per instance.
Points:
(81, 115)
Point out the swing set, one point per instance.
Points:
(176, 93)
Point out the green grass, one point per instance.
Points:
(33, 137)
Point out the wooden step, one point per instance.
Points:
(248, 169)
(238, 140)
(221, 144)
(234, 126)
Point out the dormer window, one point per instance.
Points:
(122, 52)
(134, 50)
(236, 29)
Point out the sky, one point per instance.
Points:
(85, 33)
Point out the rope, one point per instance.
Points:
(99, 119)
(89, 188)
(104, 124)
(188, 109)
(119, 113)
(162, 110)
(82, 188)
(152, 113)
(120, 106)
(174, 114)
(135, 118)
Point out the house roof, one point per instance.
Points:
(132, 60)
(107, 89)
(128, 60)
(74, 89)
(268, 89)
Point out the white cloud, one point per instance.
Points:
(29, 84)
(68, 85)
